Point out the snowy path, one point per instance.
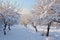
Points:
(22, 33)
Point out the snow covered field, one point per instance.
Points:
(19, 32)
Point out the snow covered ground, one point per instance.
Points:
(19, 32)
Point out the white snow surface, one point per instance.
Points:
(19, 32)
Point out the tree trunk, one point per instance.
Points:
(48, 28)
(5, 29)
(47, 34)
(35, 28)
(25, 25)
(9, 27)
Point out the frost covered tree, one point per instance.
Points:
(26, 19)
(8, 15)
(49, 11)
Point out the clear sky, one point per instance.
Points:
(25, 3)
(28, 4)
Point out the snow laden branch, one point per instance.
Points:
(9, 15)
(47, 10)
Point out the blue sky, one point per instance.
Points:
(28, 4)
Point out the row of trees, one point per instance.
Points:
(48, 12)
(44, 13)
